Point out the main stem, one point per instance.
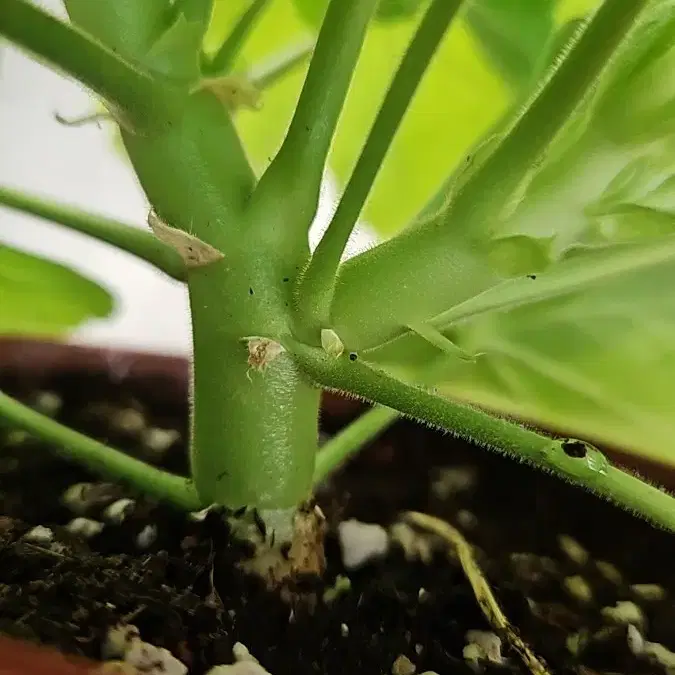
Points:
(254, 434)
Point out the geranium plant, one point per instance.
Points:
(533, 283)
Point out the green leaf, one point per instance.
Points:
(458, 101)
(127, 26)
(638, 103)
(515, 36)
(397, 10)
(313, 11)
(176, 52)
(585, 344)
(43, 298)
(596, 360)
(160, 35)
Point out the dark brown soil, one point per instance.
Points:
(70, 594)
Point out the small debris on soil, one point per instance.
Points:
(648, 592)
(624, 612)
(66, 585)
(573, 549)
(361, 543)
(483, 645)
(39, 535)
(84, 527)
(403, 666)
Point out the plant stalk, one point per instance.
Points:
(293, 179)
(591, 470)
(319, 280)
(140, 243)
(267, 74)
(99, 458)
(254, 434)
(351, 439)
(224, 59)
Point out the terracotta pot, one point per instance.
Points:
(23, 658)
(165, 378)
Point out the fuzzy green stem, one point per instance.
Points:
(74, 52)
(254, 434)
(138, 242)
(225, 57)
(351, 439)
(267, 74)
(319, 280)
(590, 470)
(99, 458)
(293, 179)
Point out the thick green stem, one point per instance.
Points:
(318, 286)
(225, 57)
(254, 434)
(573, 460)
(351, 439)
(99, 458)
(138, 242)
(293, 179)
(70, 50)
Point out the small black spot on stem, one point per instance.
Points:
(353, 356)
(250, 291)
(285, 279)
(531, 276)
(576, 449)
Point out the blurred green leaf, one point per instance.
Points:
(43, 298)
(313, 11)
(176, 52)
(396, 10)
(459, 99)
(127, 26)
(515, 36)
(638, 106)
(587, 346)
(597, 361)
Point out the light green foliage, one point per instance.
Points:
(165, 37)
(586, 344)
(516, 36)
(40, 297)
